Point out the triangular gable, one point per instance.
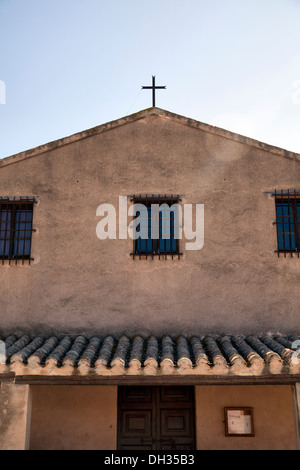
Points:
(142, 115)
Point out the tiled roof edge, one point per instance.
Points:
(235, 355)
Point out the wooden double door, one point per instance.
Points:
(156, 418)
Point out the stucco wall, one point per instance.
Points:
(77, 282)
(15, 412)
(73, 417)
(273, 412)
(85, 417)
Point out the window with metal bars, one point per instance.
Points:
(288, 221)
(166, 243)
(16, 229)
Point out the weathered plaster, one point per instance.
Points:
(78, 283)
(15, 415)
(272, 411)
(74, 417)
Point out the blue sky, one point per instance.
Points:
(69, 65)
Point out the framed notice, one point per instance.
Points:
(239, 421)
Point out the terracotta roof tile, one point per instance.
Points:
(210, 354)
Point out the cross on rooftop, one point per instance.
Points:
(153, 88)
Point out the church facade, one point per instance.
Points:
(150, 290)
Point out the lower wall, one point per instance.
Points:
(85, 417)
(273, 411)
(73, 417)
(15, 412)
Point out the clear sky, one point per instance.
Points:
(69, 65)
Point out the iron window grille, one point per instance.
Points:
(16, 216)
(287, 205)
(167, 243)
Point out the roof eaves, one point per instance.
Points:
(210, 355)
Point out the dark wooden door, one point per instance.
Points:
(156, 418)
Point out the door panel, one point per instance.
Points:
(155, 418)
(137, 423)
(175, 423)
(176, 394)
(136, 395)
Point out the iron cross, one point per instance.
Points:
(153, 88)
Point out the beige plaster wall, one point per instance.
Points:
(274, 419)
(85, 417)
(15, 413)
(73, 417)
(77, 282)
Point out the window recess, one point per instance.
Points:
(16, 215)
(287, 204)
(166, 242)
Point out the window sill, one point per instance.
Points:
(291, 253)
(16, 261)
(156, 255)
